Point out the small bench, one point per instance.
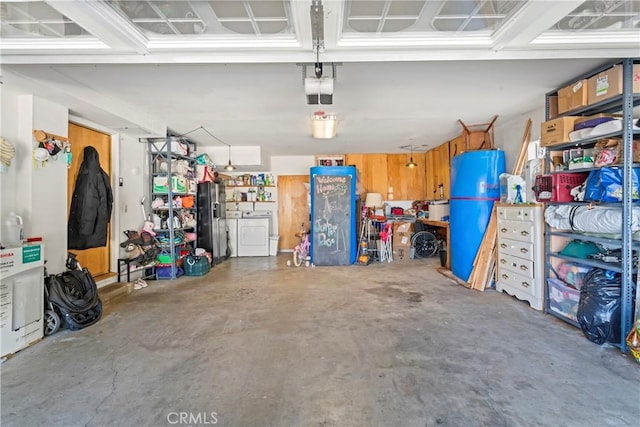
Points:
(126, 262)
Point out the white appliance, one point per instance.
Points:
(253, 233)
(232, 228)
(21, 297)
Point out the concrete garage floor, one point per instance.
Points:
(257, 343)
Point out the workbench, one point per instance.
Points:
(444, 225)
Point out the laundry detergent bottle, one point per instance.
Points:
(12, 233)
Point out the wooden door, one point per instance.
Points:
(95, 259)
(293, 208)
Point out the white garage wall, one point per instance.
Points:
(291, 165)
(9, 131)
(509, 134)
(39, 193)
(134, 171)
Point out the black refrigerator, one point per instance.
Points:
(212, 226)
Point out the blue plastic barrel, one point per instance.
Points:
(475, 186)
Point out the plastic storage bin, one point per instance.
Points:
(196, 265)
(573, 273)
(563, 299)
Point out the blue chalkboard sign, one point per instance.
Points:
(333, 216)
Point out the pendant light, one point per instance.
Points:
(411, 163)
(229, 166)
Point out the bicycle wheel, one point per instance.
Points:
(425, 244)
(297, 256)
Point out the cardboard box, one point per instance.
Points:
(556, 131)
(400, 240)
(553, 106)
(401, 254)
(608, 83)
(402, 232)
(573, 96)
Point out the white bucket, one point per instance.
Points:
(12, 234)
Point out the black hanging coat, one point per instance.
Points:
(91, 205)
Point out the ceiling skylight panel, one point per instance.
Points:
(601, 15)
(381, 16)
(474, 15)
(36, 19)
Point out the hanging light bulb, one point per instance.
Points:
(411, 163)
(229, 166)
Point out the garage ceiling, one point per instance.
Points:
(405, 70)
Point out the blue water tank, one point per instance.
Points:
(475, 186)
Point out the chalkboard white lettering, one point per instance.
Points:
(331, 219)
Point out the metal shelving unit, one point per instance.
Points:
(160, 150)
(624, 103)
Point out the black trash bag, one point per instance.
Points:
(599, 306)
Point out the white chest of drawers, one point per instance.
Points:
(520, 264)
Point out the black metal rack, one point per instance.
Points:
(160, 150)
(625, 103)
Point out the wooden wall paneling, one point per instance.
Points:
(430, 175)
(408, 183)
(293, 209)
(95, 259)
(358, 161)
(418, 185)
(444, 170)
(456, 146)
(373, 171)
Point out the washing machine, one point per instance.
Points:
(253, 233)
(232, 228)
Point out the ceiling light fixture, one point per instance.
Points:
(229, 166)
(323, 125)
(411, 163)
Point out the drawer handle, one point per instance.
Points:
(524, 267)
(524, 233)
(503, 261)
(524, 250)
(504, 276)
(503, 230)
(503, 245)
(525, 284)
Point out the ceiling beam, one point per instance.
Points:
(103, 22)
(383, 54)
(333, 16)
(521, 29)
(302, 23)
